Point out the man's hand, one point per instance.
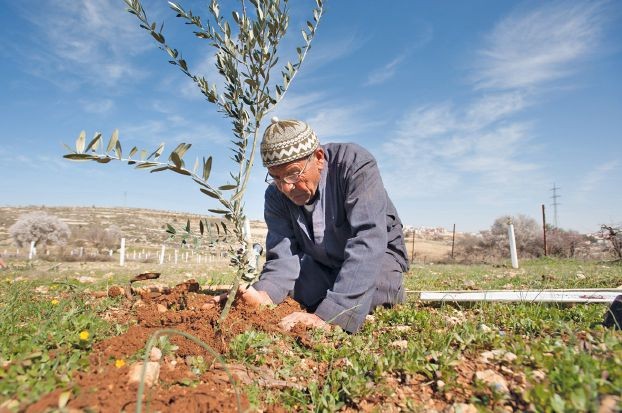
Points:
(307, 319)
(249, 296)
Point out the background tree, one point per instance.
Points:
(41, 228)
(613, 235)
(247, 51)
(564, 243)
(104, 238)
(526, 232)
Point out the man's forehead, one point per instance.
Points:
(288, 165)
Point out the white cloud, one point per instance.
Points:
(528, 49)
(172, 130)
(331, 119)
(386, 72)
(97, 106)
(597, 176)
(93, 41)
(482, 146)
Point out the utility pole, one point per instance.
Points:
(544, 228)
(453, 241)
(555, 203)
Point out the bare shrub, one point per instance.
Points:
(613, 235)
(566, 243)
(41, 228)
(493, 244)
(104, 238)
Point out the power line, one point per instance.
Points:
(555, 203)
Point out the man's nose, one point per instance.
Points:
(286, 186)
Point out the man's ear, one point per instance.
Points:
(320, 158)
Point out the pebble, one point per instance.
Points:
(403, 344)
(538, 375)
(161, 308)
(463, 408)
(609, 404)
(152, 373)
(484, 328)
(494, 380)
(155, 354)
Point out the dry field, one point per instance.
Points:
(145, 228)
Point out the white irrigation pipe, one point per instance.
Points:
(590, 295)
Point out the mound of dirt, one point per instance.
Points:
(106, 387)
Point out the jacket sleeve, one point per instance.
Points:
(350, 299)
(282, 266)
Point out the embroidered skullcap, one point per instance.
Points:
(287, 140)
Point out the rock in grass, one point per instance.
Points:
(497, 354)
(115, 291)
(493, 380)
(609, 404)
(155, 354)
(402, 344)
(463, 408)
(538, 375)
(161, 308)
(152, 373)
(484, 328)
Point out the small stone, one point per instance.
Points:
(509, 357)
(484, 328)
(469, 285)
(581, 276)
(609, 404)
(152, 373)
(403, 344)
(402, 329)
(370, 318)
(463, 408)
(138, 304)
(440, 384)
(161, 308)
(452, 321)
(487, 356)
(155, 354)
(115, 291)
(493, 379)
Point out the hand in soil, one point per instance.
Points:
(249, 296)
(306, 319)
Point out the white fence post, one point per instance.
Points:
(122, 255)
(162, 254)
(512, 244)
(31, 254)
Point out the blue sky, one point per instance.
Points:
(473, 109)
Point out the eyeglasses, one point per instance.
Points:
(289, 179)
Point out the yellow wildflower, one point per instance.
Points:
(119, 363)
(84, 335)
(54, 301)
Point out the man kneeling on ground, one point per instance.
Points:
(335, 242)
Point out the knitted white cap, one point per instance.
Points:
(286, 141)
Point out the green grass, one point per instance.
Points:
(533, 274)
(564, 360)
(40, 336)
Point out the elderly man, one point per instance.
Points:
(335, 242)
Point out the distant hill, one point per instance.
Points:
(139, 226)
